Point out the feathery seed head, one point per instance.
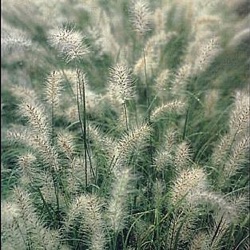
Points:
(182, 74)
(211, 98)
(82, 88)
(74, 212)
(70, 76)
(161, 81)
(162, 159)
(103, 37)
(48, 152)
(159, 18)
(53, 239)
(132, 143)
(93, 102)
(88, 209)
(206, 53)
(100, 140)
(120, 84)
(229, 208)
(33, 229)
(182, 156)
(180, 79)
(221, 150)
(117, 208)
(76, 176)
(35, 113)
(238, 156)
(25, 161)
(16, 42)
(53, 88)
(154, 43)
(206, 20)
(241, 36)
(158, 192)
(71, 113)
(200, 242)
(78, 83)
(140, 16)
(24, 203)
(19, 135)
(9, 212)
(171, 138)
(69, 43)
(65, 141)
(163, 110)
(240, 114)
(47, 189)
(81, 82)
(150, 61)
(22, 92)
(188, 184)
(152, 54)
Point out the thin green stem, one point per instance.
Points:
(45, 203)
(115, 237)
(82, 123)
(157, 225)
(216, 233)
(148, 107)
(125, 114)
(54, 175)
(147, 87)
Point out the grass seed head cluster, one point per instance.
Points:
(125, 125)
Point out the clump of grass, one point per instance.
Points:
(118, 139)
